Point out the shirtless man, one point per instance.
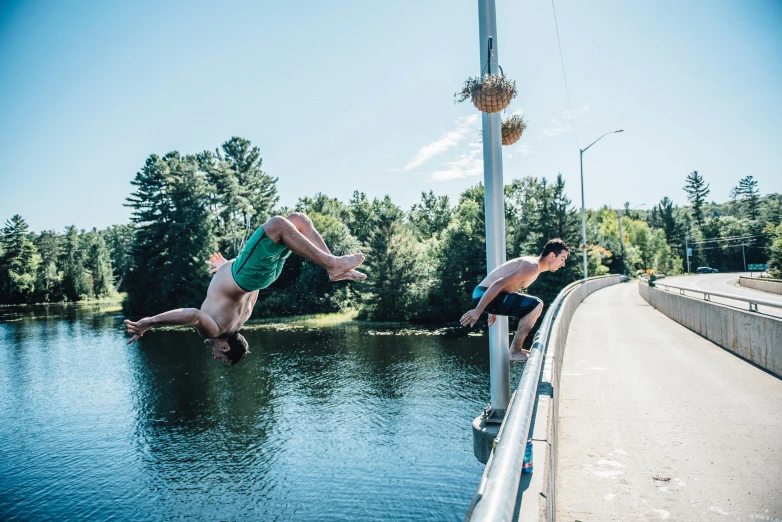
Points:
(233, 290)
(496, 294)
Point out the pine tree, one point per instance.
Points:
(750, 200)
(734, 201)
(98, 263)
(174, 235)
(119, 240)
(241, 194)
(431, 216)
(18, 263)
(383, 302)
(460, 261)
(666, 220)
(76, 282)
(361, 221)
(697, 190)
(189, 236)
(48, 285)
(324, 205)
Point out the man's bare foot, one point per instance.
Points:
(344, 264)
(350, 275)
(518, 355)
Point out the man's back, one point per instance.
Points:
(225, 302)
(530, 263)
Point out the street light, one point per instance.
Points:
(583, 210)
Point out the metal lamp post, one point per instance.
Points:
(486, 426)
(583, 209)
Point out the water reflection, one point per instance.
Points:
(338, 423)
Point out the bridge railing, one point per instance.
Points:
(497, 494)
(753, 302)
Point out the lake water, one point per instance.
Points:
(344, 422)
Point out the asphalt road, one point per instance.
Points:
(657, 423)
(726, 284)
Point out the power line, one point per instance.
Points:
(700, 249)
(726, 239)
(564, 76)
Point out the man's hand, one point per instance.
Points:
(470, 318)
(492, 318)
(216, 260)
(137, 329)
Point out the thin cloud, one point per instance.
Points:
(558, 127)
(449, 140)
(464, 166)
(585, 109)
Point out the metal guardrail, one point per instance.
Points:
(495, 498)
(753, 303)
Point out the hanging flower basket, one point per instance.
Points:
(489, 94)
(512, 128)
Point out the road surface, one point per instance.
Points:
(726, 284)
(657, 423)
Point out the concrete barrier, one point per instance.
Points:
(753, 336)
(539, 489)
(764, 284)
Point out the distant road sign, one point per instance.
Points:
(757, 268)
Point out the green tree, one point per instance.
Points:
(775, 254)
(48, 284)
(174, 235)
(361, 221)
(119, 240)
(750, 199)
(18, 263)
(383, 300)
(431, 216)
(697, 190)
(460, 258)
(98, 262)
(325, 205)
(241, 195)
(76, 282)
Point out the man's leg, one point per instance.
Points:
(304, 224)
(279, 229)
(516, 352)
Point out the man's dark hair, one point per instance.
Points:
(555, 245)
(238, 348)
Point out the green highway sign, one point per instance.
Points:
(757, 268)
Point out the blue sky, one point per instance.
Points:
(344, 96)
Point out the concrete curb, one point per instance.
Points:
(772, 286)
(753, 336)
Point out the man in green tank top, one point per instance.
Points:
(233, 290)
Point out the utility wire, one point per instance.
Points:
(726, 239)
(564, 76)
(699, 249)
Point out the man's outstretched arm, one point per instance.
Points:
(182, 317)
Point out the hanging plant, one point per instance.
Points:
(491, 92)
(512, 128)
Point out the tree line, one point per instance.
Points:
(422, 262)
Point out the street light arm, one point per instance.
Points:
(600, 138)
